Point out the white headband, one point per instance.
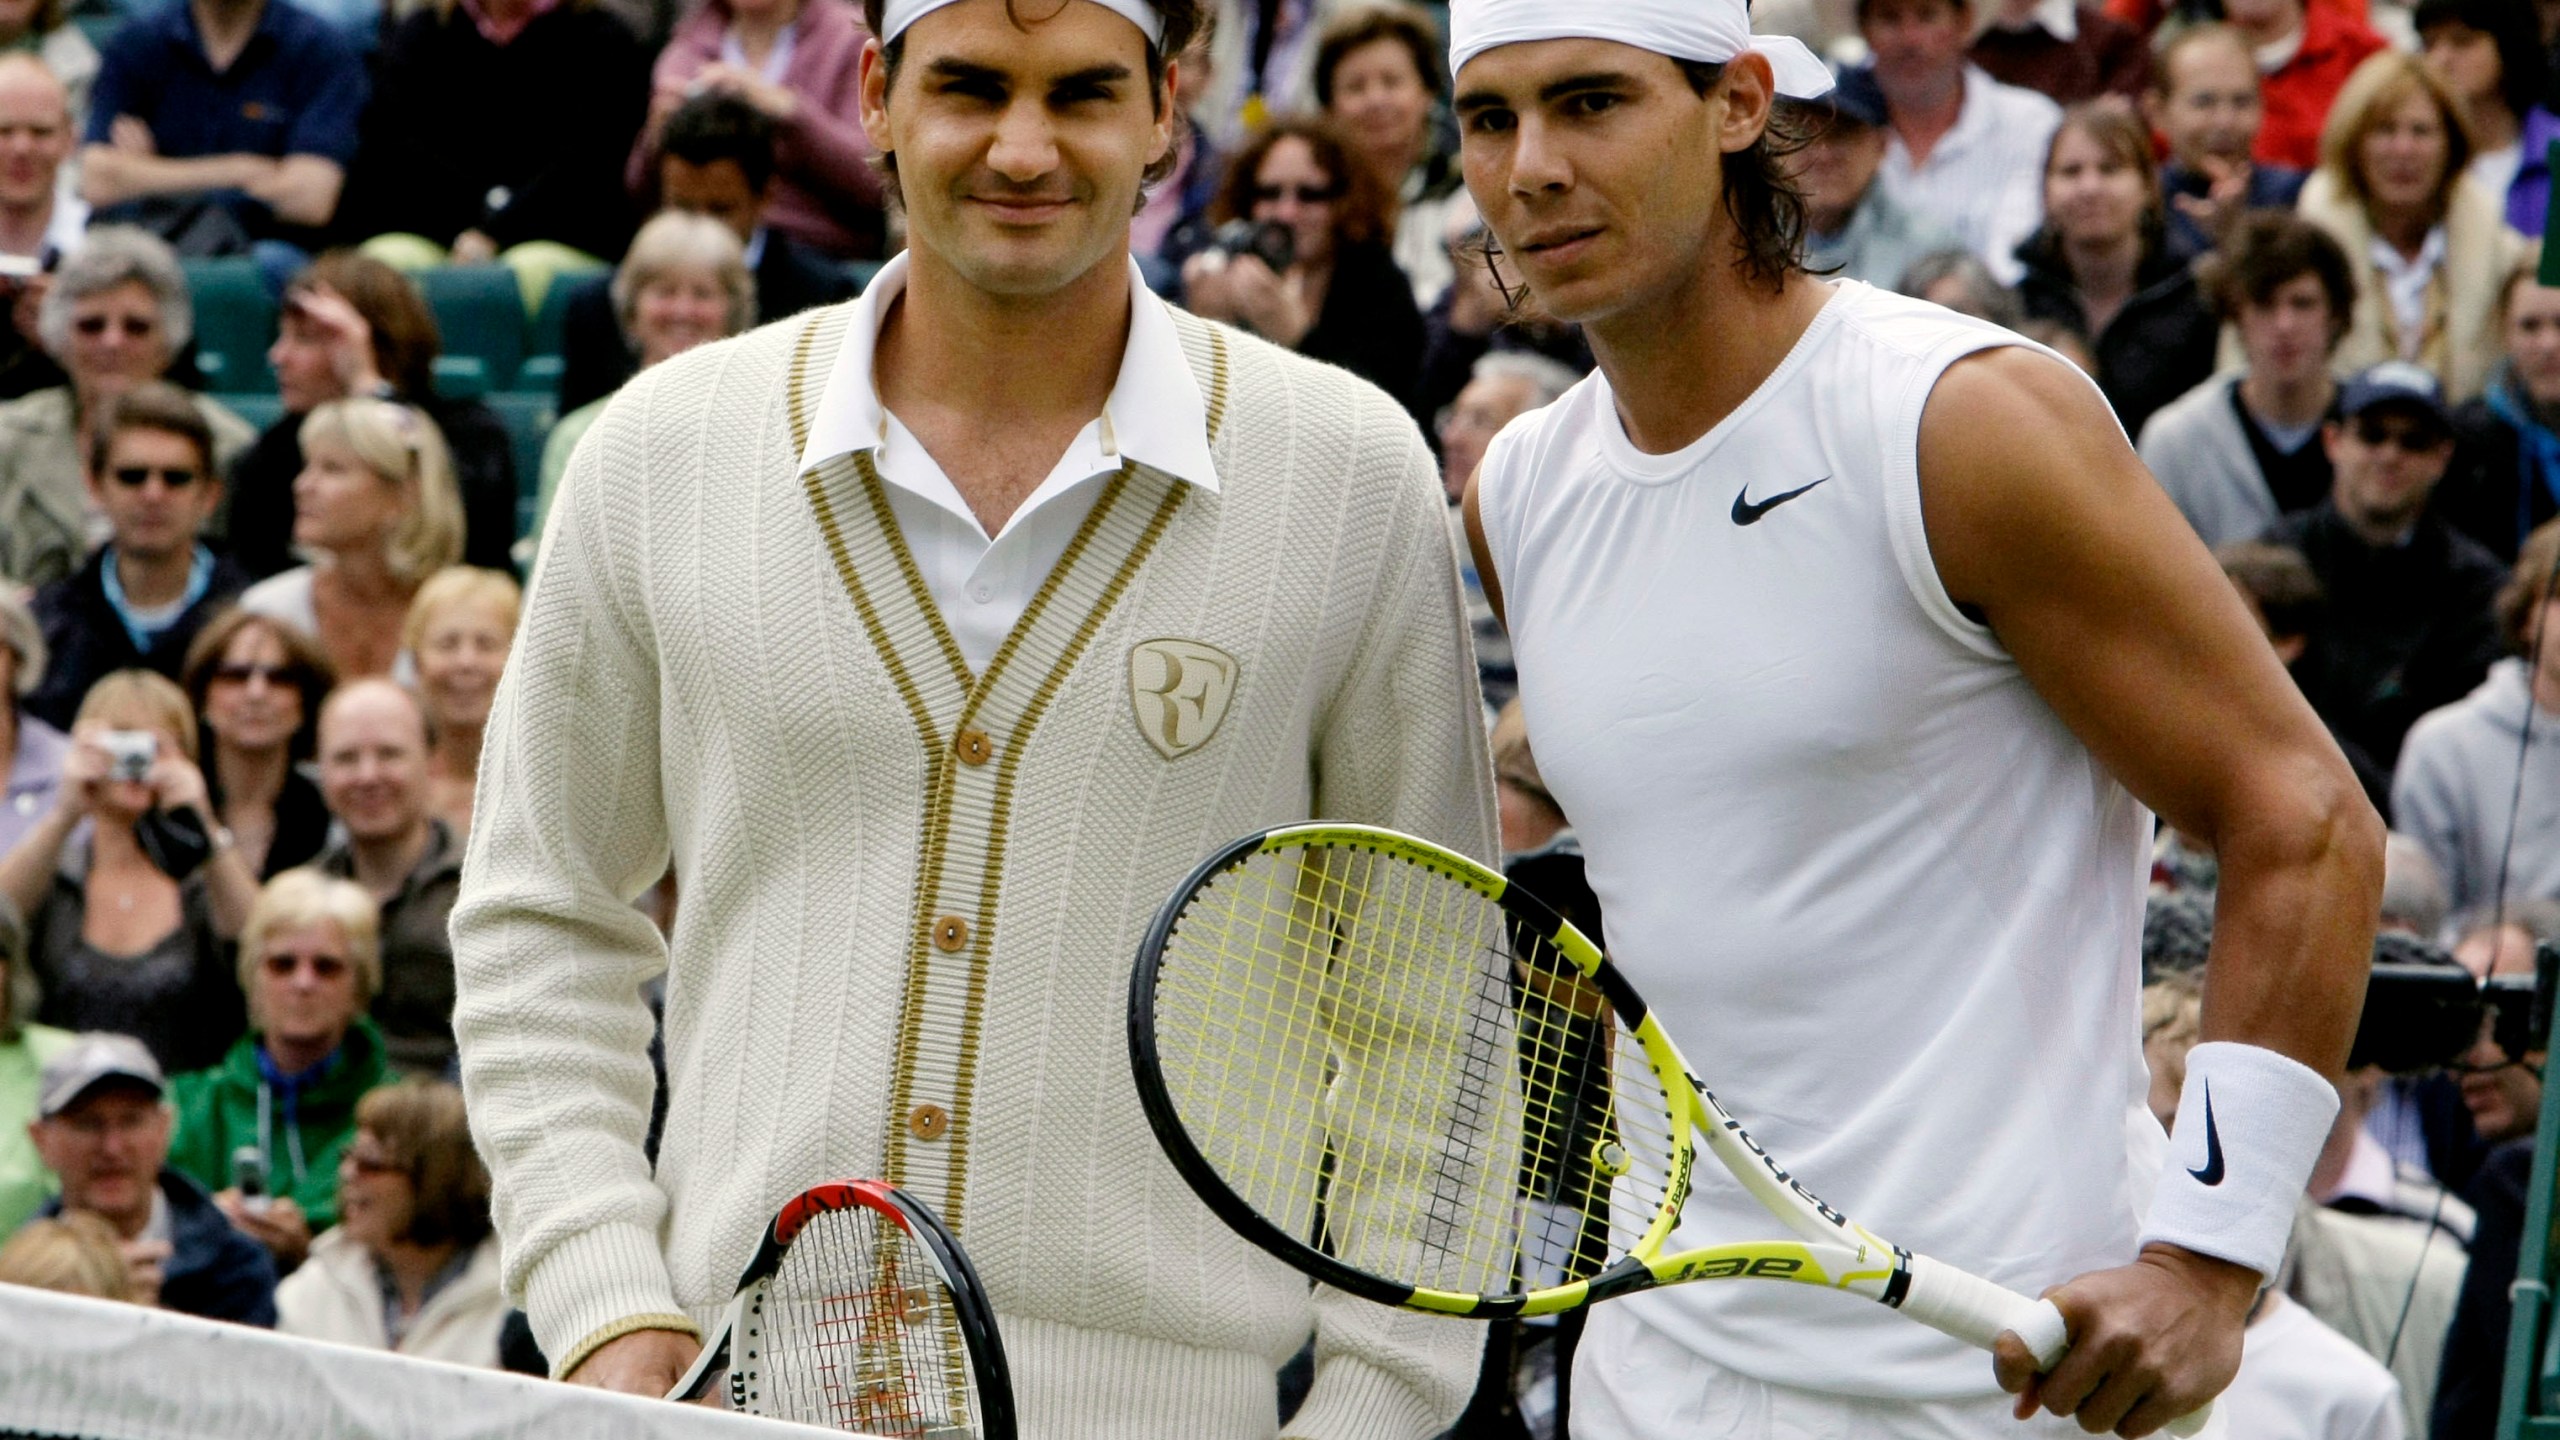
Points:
(1709, 31)
(899, 14)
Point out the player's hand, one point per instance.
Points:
(2150, 1341)
(644, 1362)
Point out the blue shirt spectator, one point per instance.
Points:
(219, 123)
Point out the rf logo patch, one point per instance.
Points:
(1179, 690)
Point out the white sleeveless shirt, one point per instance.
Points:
(1886, 902)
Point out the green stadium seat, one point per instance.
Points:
(528, 416)
(863, 272)
(235, 323)
(551, 322)
(261, 411)
(461, 377)
(479, 311)
(540, 372)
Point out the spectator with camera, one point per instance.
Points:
(143, 597)
(412, 1266)
(32, 753)
(131, 894)
(373, 769)
(354, 328)
(2204, 100)
(793, 63)
(116, 315)
(1301, 258)
(2238, 451)
(460, 628)
(265, 1128)
(103, 1125)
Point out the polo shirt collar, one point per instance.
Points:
(1155, 414)
(270, 31)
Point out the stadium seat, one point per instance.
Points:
(235, 323)
(863, 272)
(480, 312)
(461, 377)
(528, 416)
(261, 411)
(551, 322)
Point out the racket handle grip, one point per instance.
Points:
(1976, 1311)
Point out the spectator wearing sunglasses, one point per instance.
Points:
(286, 1092)
(2411, 623)
(1342, 299)
(141, 599)
(116, 316)
(257, 683)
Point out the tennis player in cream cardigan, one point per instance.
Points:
(934, 638)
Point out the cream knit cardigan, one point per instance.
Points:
(912, 896)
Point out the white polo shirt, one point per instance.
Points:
(1154, 416)
(1984, 180)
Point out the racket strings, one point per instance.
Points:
(1379, 1061)
(860, 1334)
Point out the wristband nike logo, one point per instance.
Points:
(1747, 513)
(2211, 1174)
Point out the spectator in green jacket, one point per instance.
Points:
(310, 961)
(25, 1183)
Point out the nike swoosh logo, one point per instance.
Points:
(2211, 1174)
(1747, 513)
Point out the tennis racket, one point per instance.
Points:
(859, 1312)
(1375, 1060)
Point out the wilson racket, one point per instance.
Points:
(1377, 1061)
(859, 1312)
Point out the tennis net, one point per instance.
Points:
(86, 1369)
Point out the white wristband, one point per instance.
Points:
(2251, 1124)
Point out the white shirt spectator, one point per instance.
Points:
(2301, 1380)
(1984, 180)
(2404, 284)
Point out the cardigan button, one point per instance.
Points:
(950, 934)
(975, 748)
(928, 1122)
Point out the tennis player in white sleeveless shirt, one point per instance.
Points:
(1859, 857)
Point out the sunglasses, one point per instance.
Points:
(134, 477)
(240, 673)
(2410, 439)
(1303, 194)
(135, 327)
(325, 967)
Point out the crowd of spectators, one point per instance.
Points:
(244, 669)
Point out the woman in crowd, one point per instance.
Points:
(2100, 265)
(794, 61)
(131, 893)
(375, 505)
(75, 1254)
(354, 327)
(685, 282)
(1341, 298)
(2457, 785)
(40, 28)
(2505, 478)
(459, 629)
(257, 684)
(1378, 79)
(25, 1184)
(2489, 54)
(116, 315)
(525, 172)
(310, 961)
(31, 752)
(412, 1266)
(2392, 162)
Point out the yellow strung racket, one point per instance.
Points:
(1377, 1061)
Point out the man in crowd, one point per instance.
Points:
(373, 773)
(219, 123)
(1965, 151)
(715, 158)
(2240, 450)
(102, 1127)
(2204, 99)
(2411, 622)
(2065, 49)
(40, 219)
(139, 601)
(2304, 55)
(1854, 227)
(2286, 600)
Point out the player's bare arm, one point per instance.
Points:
(2041, 520)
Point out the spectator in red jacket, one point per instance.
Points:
(2304, 56)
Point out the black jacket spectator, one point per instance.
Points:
(213, 1270)
(2409, 628)
(86, 639)
(2155, 349)
(2504, 465)
(596, 357)
(2475, 1345)
(1369, 325)
(484, 463)
(535, 154)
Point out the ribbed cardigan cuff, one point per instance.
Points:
(1355, 1400)
(592, 1282)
